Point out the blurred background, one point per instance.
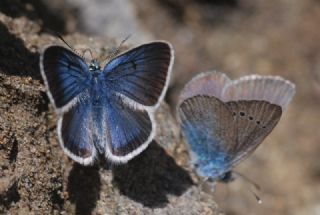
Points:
(238, 37)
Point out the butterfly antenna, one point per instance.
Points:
(248, 180)
(87, 50)
(251, 182)
(116, 51)
(258, 199)
(61, 38)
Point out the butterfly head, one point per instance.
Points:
(227, 177)
(94, 65)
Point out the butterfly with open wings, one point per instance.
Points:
(107, 111)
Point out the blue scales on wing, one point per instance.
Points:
(65, 73)
(141, 74)
(220, 134)
(76, 132)
(128, 130)
(208, 128)
(136, 81)
(108, 112)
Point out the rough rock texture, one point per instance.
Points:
(35, 175)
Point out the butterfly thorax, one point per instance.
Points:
(94, 66)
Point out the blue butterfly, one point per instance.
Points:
(224, 121)
(107, 111)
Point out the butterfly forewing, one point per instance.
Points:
(254, 120)
(208, 126)
(207, 83)
(141, 74)
(273, 89)
(65, 75)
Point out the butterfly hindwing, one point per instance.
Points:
(76, 130)
(129, 130)
(141, 74)
(254, 120)
(273, 89)
(222, 134)
(206, 83)
(65, 75)
(208, 127)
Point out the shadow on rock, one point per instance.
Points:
(10, 197)
(34, 10)
(150, 177)
(15, 58)
(84, 188)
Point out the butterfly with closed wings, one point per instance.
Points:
(224, 121)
